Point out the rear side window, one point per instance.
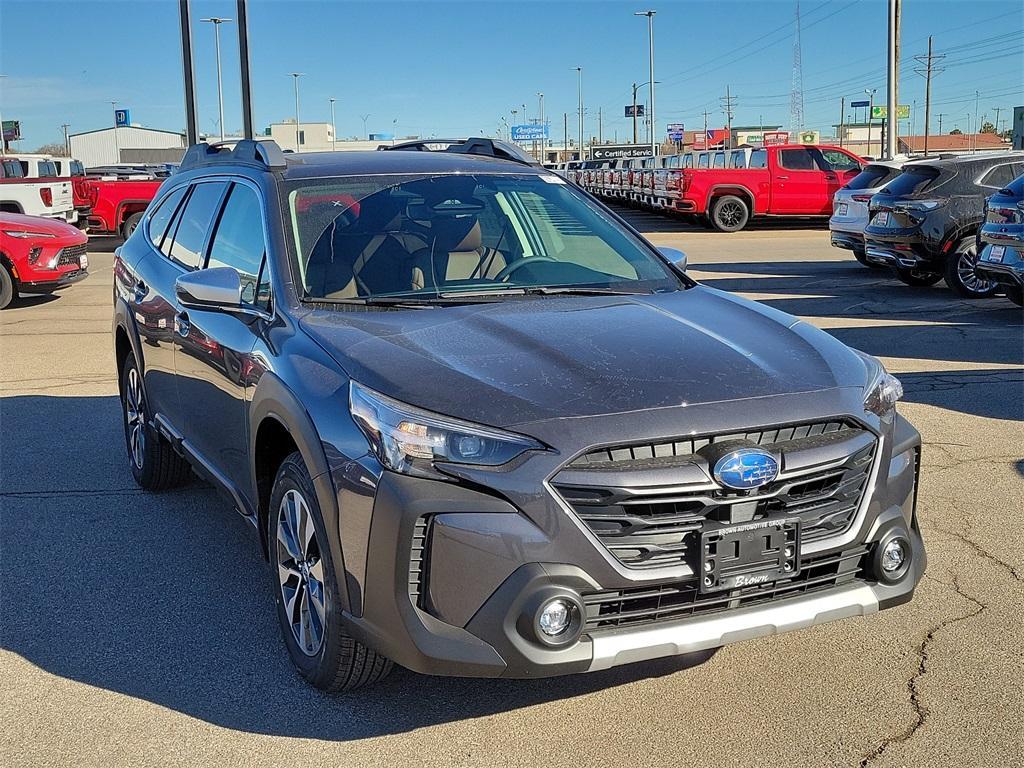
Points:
(758, 159)
(12, 169)
(872, 177)
(162, 216)
(688, 161)
(47, 170)
(238, 241)
(999, 176)
(912, 181)
(703, 159)
(719, 160)
(194, 224)
(738, 159)
(796, 159)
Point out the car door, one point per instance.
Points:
(839, 168)
(799, 186)
(214, 349)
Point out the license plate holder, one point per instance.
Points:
(882, 219)
(83, 261)
(842, 209)
(748, 554)
(995, 253)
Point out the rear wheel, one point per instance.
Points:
(130, 224)
(154, 464)
(960, 274)
(1016, 295)
(7, 290)
(916, 277)
(307, 595)
(729, 214)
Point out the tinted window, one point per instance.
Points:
(911, 181)
(758, 159)
(999, 176)
(77, 169)
(238, 241)
(738, 159)
(702, 160)
(194, 223)
(872, 177)
(163, 214)
(719, 160)
(796, 159)
(688, 161)
(12, 170)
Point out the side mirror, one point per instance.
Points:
(674, 255)
(213, 288)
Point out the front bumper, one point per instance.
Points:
(456, 595)
(54, 284)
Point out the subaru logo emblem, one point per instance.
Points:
(746, 468)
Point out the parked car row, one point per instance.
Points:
(923, 219)
(724, 188)
(39, 255)
(33, 185)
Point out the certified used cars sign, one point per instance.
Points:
(616, 151)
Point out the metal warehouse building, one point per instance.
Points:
(108, 146)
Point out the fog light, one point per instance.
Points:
(555, 617)
(894, 555)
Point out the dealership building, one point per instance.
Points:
(127, 144)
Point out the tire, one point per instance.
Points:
(917, 278)
(960, 275)
(729, 213)
(8, 292)
(130, 224)
(153, 462)
(306, 589)
(1016, 295)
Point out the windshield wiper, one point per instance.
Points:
(540, 290)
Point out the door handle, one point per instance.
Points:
(181, 324)
(780, 178)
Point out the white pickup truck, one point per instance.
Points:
(30, 184)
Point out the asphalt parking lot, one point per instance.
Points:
(139, 629)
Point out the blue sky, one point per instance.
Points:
(457, 68)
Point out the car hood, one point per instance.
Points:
(22, 223)
(523, 360)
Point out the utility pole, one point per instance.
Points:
(892, 80)
(600, 125)
(364, 118)
(940, 122)
(705, 129)
(67, 141)
(997, 111)
(842, 112)
(634, 113)
(334, 129)
(977, 125)
(565, 134)
(728, 104)
(217, 21)
(295, 79)
(543, 125)
(579, 92)
(650, 61)
(929, 60)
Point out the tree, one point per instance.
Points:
(956, 132)
(57, 149)
(987, 127)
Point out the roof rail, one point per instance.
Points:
(263, 153)
(473, 145)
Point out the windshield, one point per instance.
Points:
(424, 237)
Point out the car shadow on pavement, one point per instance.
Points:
(166, 597)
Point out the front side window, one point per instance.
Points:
(438, 237)
(194, 224)
(834, 160)
(162, 216)
(796, 159)
(238, 241)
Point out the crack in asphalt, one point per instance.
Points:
(979, 549)
(921, 711)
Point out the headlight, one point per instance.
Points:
(20, 233)
(883, 390)
(409, 440)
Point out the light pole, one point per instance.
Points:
(635, 89)
(650, 56)
(977, 125)
(117, 142)
(540, 120)
(295, 80)
(334, 129)
(579, 92)
(217, 21)
(871, 105)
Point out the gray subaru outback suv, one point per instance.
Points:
(483, 428)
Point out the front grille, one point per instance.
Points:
(418, 562)
(71, 254)
(649, 523)
(637, 606)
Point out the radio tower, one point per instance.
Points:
(796, 96)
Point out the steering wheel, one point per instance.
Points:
(517, 264)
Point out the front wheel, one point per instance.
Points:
(7, 290)
(917, 278)
(960, 274)
(307, 594)
(729, 214)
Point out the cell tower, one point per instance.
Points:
(796, 96)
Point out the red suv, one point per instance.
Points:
(39, 255)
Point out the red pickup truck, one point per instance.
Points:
(784, 180)
(118, 204)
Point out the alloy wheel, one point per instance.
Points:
(301, 573)
(965, 263)
(730, 214)
(134, 409)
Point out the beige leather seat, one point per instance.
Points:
(457, 253)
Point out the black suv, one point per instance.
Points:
(924, 223)
(483, 427)
(1002, 239)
